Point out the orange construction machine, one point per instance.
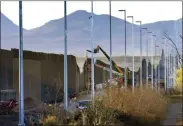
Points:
(120, 79)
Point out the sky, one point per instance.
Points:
(37, 13)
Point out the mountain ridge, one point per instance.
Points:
(50, 36)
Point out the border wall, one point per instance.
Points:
(41, 73)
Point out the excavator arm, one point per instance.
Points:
(113, 63)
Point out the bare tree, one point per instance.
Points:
(58, 87)
(174, 45)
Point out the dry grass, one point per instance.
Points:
(99, 114)
(52, 115)
(179, 120)
(144, 105)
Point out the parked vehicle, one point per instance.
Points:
(83, 104)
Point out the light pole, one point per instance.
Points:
(0, 27)
(125, 47)
(110, 42)
(154, 46)
(174, 69)
(157, 67)
(65, 59)
(0, 44)
(171, 50)
(146, 56)
(174, 59)
(133, 85)
(164, 43)
(167, 64)
(169, 68)
(87, 82)
(140, 53)
(92, 59)
(159, 53)
(21, 79)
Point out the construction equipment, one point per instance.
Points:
(96, 50)
(120, 79)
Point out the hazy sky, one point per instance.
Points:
(38, 13)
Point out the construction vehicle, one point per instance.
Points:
(120, 79)
(96, 50)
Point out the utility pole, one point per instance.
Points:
(21, 73)
(140, 53)
(133, 85)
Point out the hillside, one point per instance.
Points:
(50, 36)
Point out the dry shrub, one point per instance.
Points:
(98, 114)
(144, 104)
(178, 84)
(179, 121)
(49, 120)
(52, 115)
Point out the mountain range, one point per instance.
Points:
(50, 36)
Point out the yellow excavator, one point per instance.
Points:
(121, 78)
(96, 50)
